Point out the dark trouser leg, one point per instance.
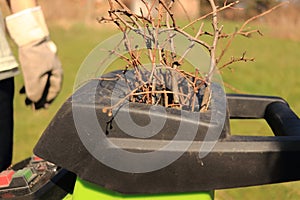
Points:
(6, 122)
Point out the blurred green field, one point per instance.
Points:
(276, 72)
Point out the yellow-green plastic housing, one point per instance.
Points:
(85, 190)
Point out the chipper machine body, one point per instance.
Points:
(233, 161)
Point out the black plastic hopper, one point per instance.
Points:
(235, 161)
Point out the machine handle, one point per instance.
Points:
(282, 120)
(242, 106)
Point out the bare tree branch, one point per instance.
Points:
(163, 82)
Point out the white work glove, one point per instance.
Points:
(41, 67)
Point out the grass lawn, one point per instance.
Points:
(275, 72)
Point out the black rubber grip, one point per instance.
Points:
(282, 120)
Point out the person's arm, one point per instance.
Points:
(41, 67)
(19, 5)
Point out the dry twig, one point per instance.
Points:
(165, 82)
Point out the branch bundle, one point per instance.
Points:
(160, 75)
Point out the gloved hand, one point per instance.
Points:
(42, 73)
(41, 67)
